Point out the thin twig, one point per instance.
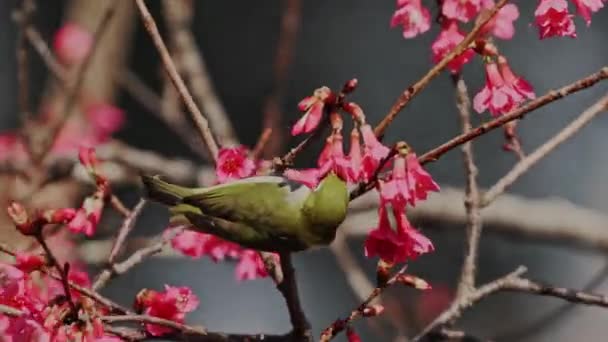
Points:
(190, 59)
(517, 113)
(339, 325)
(272, 119)
(261, 144)
(472, 197)
(127, 225)
(528, 286)
(415, 88)
(301, 329)
(198, 118)
(62, 270)
(186, 329)
(461, 304)
(525, 164)
(153, 103)
(549, 319)
(23, 17)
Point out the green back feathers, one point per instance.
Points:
(326, 208)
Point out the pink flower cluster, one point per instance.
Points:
(44, 315)
(404, 185)
(233, 163)
(172, 304)
(554, 19)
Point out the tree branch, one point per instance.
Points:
(525, 164)
(472, 197)
(415, 88)
(201, 122)
(518, 113)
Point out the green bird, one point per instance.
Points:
(266, 213)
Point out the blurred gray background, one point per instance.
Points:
(338, 40)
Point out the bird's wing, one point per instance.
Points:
(261, 202)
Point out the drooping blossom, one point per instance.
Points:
(462, 10)
(414, 18)
(312, 106)
(448, 38)
(172, 304)
(395, 245)
(501, 25)
(553, 19)
(355, 157)
(373, 152)
(520, 85)
(233, 163)
(496, 96)
(72, 43)
(331, 159)
(586, 7)
(407, 183)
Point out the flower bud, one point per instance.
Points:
(413, 281)
(383, 272)
(355, 111)
(16, 211)
(373, 310)
(63, 215)
(350, 86)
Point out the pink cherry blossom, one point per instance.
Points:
(355, 157)
(172, 304)
(448, 38)
(233, 163)
(331, 159)
(408, 182)
(462, 10)
(496, 96)
(521, 86)
(501, 26)
(586, 7)
(72, 43)
(412, 16)
(373, 152)
(312, 106)
(553, 19)
(395, 245)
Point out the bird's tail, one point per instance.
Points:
(163, 192)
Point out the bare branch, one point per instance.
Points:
(515, 114)
(472, 197)
(198, 118)
(525, 164)
(191, 61)
(289, 289)
(126, 227)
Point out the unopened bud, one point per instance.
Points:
(413, 281)
(355, 111)
(325, 94)
(373, 310)
(16, 211)
(383, 272)
(350, 86)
